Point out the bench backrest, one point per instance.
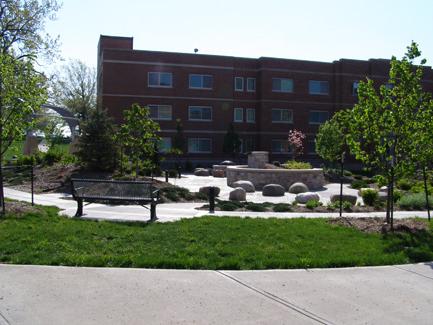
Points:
(112, 189)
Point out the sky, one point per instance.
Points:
(316, 30)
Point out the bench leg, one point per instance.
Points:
(153, 212)
(79, 212)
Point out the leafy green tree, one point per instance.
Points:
(232, 143)
(138, 136)
(382, 123)
(74, 87)
(97, 148)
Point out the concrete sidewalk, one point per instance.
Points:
(69, 295)
(172, 211)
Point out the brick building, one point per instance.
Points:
(263, 98)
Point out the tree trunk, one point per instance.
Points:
(341, 187)
(424, 174)
(391, 199)
(388, 191)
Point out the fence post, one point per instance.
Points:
(211, 199)
(32, 176)
(179, 172)
(166, 175)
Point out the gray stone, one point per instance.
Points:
(218, 173)
(273, 190)
(227, 163)
(246, 185)
(383, 189)
(383, 196)
(346, 197)
(297, 188)
(238, 194)
(201, 172)
(307, 196)
(206, 189)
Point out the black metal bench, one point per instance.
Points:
(98, 190)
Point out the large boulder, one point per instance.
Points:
(238, 194)
(218, 173)
(346, 197)
(297, 188)
(384, 189)
(227, 163)
(383, 196)
(273, 190)
(201, 172)
(246, 185)
(206, 190)
(307, 196)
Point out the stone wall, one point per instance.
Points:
(313, 178)
(258, 159)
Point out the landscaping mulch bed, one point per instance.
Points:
(379, 225)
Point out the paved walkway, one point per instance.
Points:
(172, 211)
(69, 295)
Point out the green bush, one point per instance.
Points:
(293, 164)
(414, 201)
(172, 173)
(347, 172)
(53, 156)
(347, 206)
(380, 180)
(257, 207)
(397, 195)
(370, 197)
(404, 184)
(359, 183)
(229, 205)
(418, 187)
(282, 207)
(311, 204)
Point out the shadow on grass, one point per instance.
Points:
(417, 246)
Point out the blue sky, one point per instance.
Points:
(324, 30)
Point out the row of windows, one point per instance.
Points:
(240, 115)
(204, 145)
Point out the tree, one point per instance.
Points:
(382, 124)
(74, 87)
(232, 143)
(97, 148)
(138, 136)
(22, 89)
(296, 143)
(53, 130)
(179, 138)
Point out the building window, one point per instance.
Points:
(251, 84)
(317, 87)
(251, 115)
(199, 145)
(164, 145)
(318, 117)
(279, 146)
(160, 79)
(282, 85)
(238, 114)
(200, 113)
(239, 84)
(311, 147)
(355, 86)
(280, 115)
(160, 112)
(200, 81)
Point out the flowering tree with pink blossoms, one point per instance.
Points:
(296, 142)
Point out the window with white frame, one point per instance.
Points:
(200, 81)
(251, 115)
(318, 117)
(238, 115)
(199, 145)
(283, 85)
(239, 84)
(160, 112)
(251, 84)
(279, 146)
(200, 113)
(165, 144)
(318, 87)
(355, 86)
(160, 79)
(282, 115)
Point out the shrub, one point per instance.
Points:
(380, 180)
(172, 173)
(257, 207)
(311, 204)
(53, 156)
(282, 207)
(359, 183)
(370, 197)
(229, 205)
(347, 206)
(418, 187)
(292, 164)
(276, 163)
(347, 172)
(397, 195)
(414, 201)
(404, 184)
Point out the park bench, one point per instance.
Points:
(98, 190)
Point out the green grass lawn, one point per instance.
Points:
(202, 243)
